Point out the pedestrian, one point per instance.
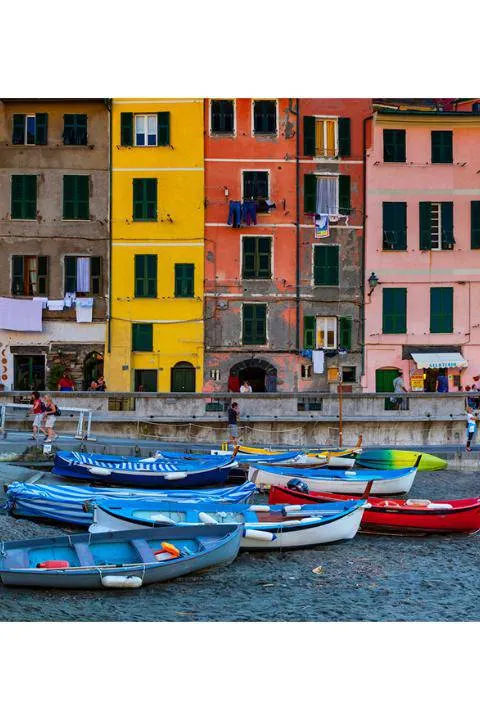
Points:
(246, 387)
(233, 384)
(38, 411)
(399, 388)
(51, 412)
(66, 384)
(93, 385)
(471, 428)
(442, 382)
(101, 385)
(271, 382)
(233, 415)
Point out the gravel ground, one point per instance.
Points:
(369, 578)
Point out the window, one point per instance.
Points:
(394, 146)
(83, 275)
(184, 279)
(442, 146)
(145, 199)
(74, 129)
(29, 275)
(215, 375)
(394, 311)
(309, 332)
(222, 117)
(349, 374)
(255, 188)
(30, 129)
(306, 372)
(257, 252)
(142, 337)
(254, 324)
(325, 264)
(24, 197)
(326, 137)
(326, 328)
(436, 226)
(441, 310)
(394, 225)
(145, 381)
(345, 330)
(145, 276)
(264, 117)
(475, 224)
(327, 194)
(150, 130)
(76, 192)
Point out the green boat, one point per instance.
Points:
(393, 459)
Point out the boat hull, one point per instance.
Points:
(393, 459)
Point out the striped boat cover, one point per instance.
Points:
(142, 464)
(64, 503)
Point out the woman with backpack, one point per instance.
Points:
(38, 411)
(51, 412)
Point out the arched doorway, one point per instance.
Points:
(261, 374)
(183, 377)
(92, 368)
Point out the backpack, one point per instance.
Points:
(57, 411)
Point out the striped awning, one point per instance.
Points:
(439, 360)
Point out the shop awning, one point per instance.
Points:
(439, 360)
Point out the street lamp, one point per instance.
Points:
(373, 281)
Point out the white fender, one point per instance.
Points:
(206, 518)
(99, 471)
(175, 475)
(260, 508)
(259, 535)
(292, 508)
(121, 581)
(159, 518)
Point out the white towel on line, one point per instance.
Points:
(318, 359)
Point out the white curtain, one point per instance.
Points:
(327, 196)
(83, 274)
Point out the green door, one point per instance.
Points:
(183, 378)
(384, 383)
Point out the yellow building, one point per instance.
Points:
(155, 335)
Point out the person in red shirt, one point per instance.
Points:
(233, 383)
(38, 415)
(65, 384)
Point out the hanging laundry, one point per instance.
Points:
(83, 274)
(69, 299)
(306, 354)
(249, 212)
(42, 300)
(318, 358)
(55, 304)
(322, 226)
(21, 315)
(84, 309)
(234, 213)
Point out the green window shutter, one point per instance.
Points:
(145, 199)
(264, 255)
(163, 128)
(17, 275)
(425, 225)
(256, 258)
(345, 333)
(126, 129)
(394, 225)
(42, 262)
(96, 275)
(441, 310)
(344, 149)
(309, 135)
(475, 224)
(24, 197)
(308, 332)
(76, 190)
(248, 264)
(146, 276)
(344, 202)
(184, 279)
(448, 241)
(310, 193)
(18, 137)
(254, 324)
(81, 129)
(394, 146)
(41, 128)
(142, 337)
(325, 265)
(70, 282)
(442, 146)
(394, 311)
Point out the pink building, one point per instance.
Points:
(422, 263)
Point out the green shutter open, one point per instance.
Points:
(18, 137)
(163, 128)
(448, 240)
(309, 135)
(126, 129)
(394, 310)
(345, 333)
(475, 224)
(310, 193)
(70, 265)
(344, 201)
(344, 144)
(425, 225)
(41, 128)
(42, 262)
(17, 275)
(308, 332)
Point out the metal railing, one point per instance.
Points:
(84, 420)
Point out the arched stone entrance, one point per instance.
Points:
(261, 374)
(92, 368)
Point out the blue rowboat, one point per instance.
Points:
(144, 472)
(265, 527)
(240, 457)
(65, 503)
(118, 560)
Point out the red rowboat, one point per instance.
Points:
(399, 516)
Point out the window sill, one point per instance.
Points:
(273, 134)
(24, 219)
(144, 220)
(256, 279)
(389, 250)
(395, 162)
(75, 220)
(219, 133)
(442, 162)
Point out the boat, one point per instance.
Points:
(385, 482)
(117, 559)
(398, 515)
(328, 457)
(65, 503)
(144, 472)
(265, 527)
(393, 459)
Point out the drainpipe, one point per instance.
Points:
(109, 310)
(364, 244)
(297, 270)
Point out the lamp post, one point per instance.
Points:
(373, 281)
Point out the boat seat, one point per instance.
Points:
(85, 556)
(16, 559)
(144, 550)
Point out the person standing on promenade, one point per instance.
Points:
(66, 384)
(51, 412)
(37, 412)
(442, 382)
(246, 387)
(471, 428)
(233, 384)
(398, 389)
(233, 415)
